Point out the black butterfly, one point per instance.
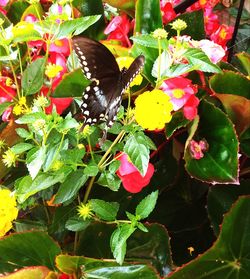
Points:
(102, 98)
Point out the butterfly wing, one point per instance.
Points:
(98, 65)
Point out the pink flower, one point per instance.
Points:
(196, 148)
(168, 13)
(214, 51)
(7, 90)
(131, 178)
(190, 108)
(3, 3)
(211, 21)
(60, 46)
(118, 29)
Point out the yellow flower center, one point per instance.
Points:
(84, 211)
(52, 70)
(178, 93)
(58, 43)
(223, 34)
(9, 82)
(160, 33)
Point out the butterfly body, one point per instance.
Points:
(102, 98)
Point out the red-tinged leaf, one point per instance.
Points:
(238, 109)
(229, 257)
(27, 249)
(244, 58)
(220, 161)
(147, 16)
(230, 83)
(33, 272)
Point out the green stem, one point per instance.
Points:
(88, 190)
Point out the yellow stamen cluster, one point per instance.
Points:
(41, 101)
(20, 107)
(57, 165)
(9, 158)
(52, 70)
(178, 93)
(153, 110)
(8, 210)
(160, 33)
(84, 211)
(179, 25)
(125, 62)
(39, 124)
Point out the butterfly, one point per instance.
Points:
(102, 98)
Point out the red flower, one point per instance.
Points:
(211, 21)
(168, 12)
(190, 108)
(222, 35)
(118, 29)
(60, 46)
(131, 178)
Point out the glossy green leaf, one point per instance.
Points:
(25, 32)
(221, 198)
(138, 152)
(91, 169)
(31, 118)
(106, 211)
(178, 121)
(147, 16)
(151, 247)
(72, 85)
(245, 142)
(230, 83)
(229, 257)
(103, 269)
(35, 9)
(23, 133)
(32, 79)
(35, 160)
(220, 161)
(198, 59)
(16, 10)
(118, 241)
(146, 206)
(70, 187)
(19, 148)
(36, 254)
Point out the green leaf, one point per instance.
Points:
(178, 121)
(109, 180)
(31, 118)
(19, 148)
(141, 227)
(103, 269)
(67, 123)
(70, 187)
(138, 152)
(72, 85)
(91, 169)
(25, 32)
(200, 61)
(229, 257)
(146, 206)
(114, 166)
(245, 142)
(220, 161)
(26, 187)
(147, 16)
(32, 79)
(35, 160)
(16, 11)
(220, 199)
(148, 40)
(4, 106)
(244, 58)
(23, 133)
(75, 26)
(230, 83)
(106, 211)
(72, 156)
(76, 224)
(165, 63)
(118, 241)
(42, 252)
